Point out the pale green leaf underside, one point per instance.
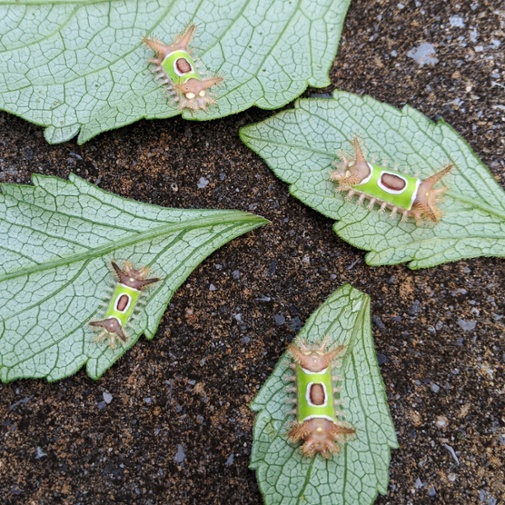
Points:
(360, 471)
(300, 146)
(81, 67)
(58, 238)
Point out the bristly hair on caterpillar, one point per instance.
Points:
(317, 410)
(409, 195)
(175, 68)
(130, 283)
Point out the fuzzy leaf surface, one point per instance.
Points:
(361, 469)
(79, 67)
(301, 145)
(58, 239)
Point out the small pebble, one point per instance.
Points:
(423, 54)
(264, 299)
(378, 322)
(460, 291)
(107, 397)
(203, 183)
(295, 324)
(272, 268)
(452, 452)
(15, 490)
(467, 325)
(457, 21)
(381, 358)
(40, 453)
(416, 308)
(181, 455)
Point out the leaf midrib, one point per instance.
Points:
(236, 217)
(477, 205)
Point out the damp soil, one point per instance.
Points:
(170, 423)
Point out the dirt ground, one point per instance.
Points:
(178, 429)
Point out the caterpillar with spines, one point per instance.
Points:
(403, 193)
(130, 283)
(317, 410)
(175, 68)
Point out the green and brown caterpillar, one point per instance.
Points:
(175, 68)
(122, 304)
(411, 196)
(317, 410)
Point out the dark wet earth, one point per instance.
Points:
(170, 423)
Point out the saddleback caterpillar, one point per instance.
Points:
(317, 410)
(122, 304)
(409, 195)
(175, 68)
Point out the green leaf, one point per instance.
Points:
(360, 470)
(58, 238)
(300, 146)
(80, 66)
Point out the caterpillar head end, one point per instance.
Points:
(132, 277)
(313, 357)
(195, 94)
(112, 330)
(163, 50)
(426, 203)
(351, 172)
(321, 436)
